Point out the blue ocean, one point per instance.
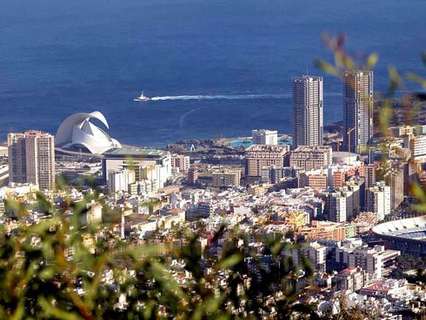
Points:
(237, 56)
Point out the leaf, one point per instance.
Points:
(52, 311)
(416, 78)
(384, 118)
(230, 261)
(326, 67)
(395, 80)
(212, 304)
(162, 275)
(19, 312)
(418, 193)
(372, 60)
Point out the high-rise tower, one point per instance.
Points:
(32, 158)
(358, 109)
(308, 110)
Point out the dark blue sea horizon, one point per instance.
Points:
(61, 57)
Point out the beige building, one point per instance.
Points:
(311, 157)
(308, 110)
(226, 177)
(259, 156)
(180, 163)
(358, 109)
(32, 158)
(396, 183)
(316, 179)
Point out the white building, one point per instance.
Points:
(336, 206)
(77, 131)
(316, 253)
(149, 165)
(119, 181)
(262, 136)
(308, 110)
(379, 199)
(418, 147)
(180, 163)
(353, 253)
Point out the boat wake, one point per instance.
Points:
(227, 97)
(222, 97)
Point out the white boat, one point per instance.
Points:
(142, 98)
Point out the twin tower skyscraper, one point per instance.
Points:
(358, 102)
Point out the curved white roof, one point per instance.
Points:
(410, 228)
(77, 130)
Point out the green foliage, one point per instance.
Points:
(55, 269)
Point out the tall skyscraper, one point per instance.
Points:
(358, 109)
(308, 110)
(32, 158)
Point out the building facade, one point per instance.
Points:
(316, 179)
(336, 207)
(149, 165)
(260, 156)
(379, 200)
(32, 159)
(311, 157)
(396, 183)
(262, 136)
(358, 103)
(180, 163)
(308, 110)
(227, 177)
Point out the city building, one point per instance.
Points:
(336, 207)
(262, 136)
(148, 164)
(339, 178)
(402, 131)
(417, 146)
(396, 183)
(358, 110)
(192, 176)
(316, 179)
(370, 175)
(226, 177)
(327, 230)
(180, 163)
(351, 279)
(354, 253)
(379, 200)
(259, 156)
(311, 157)
(316, 253)
(345, 158)
(120, 180)
(354, 189)
(77, 133)
(308, 110)
(199, 211)
(274, 174)
(343, 204)
(32, 159)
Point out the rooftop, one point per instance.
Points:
(268, 148)
(306, 148)
(134, 151)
